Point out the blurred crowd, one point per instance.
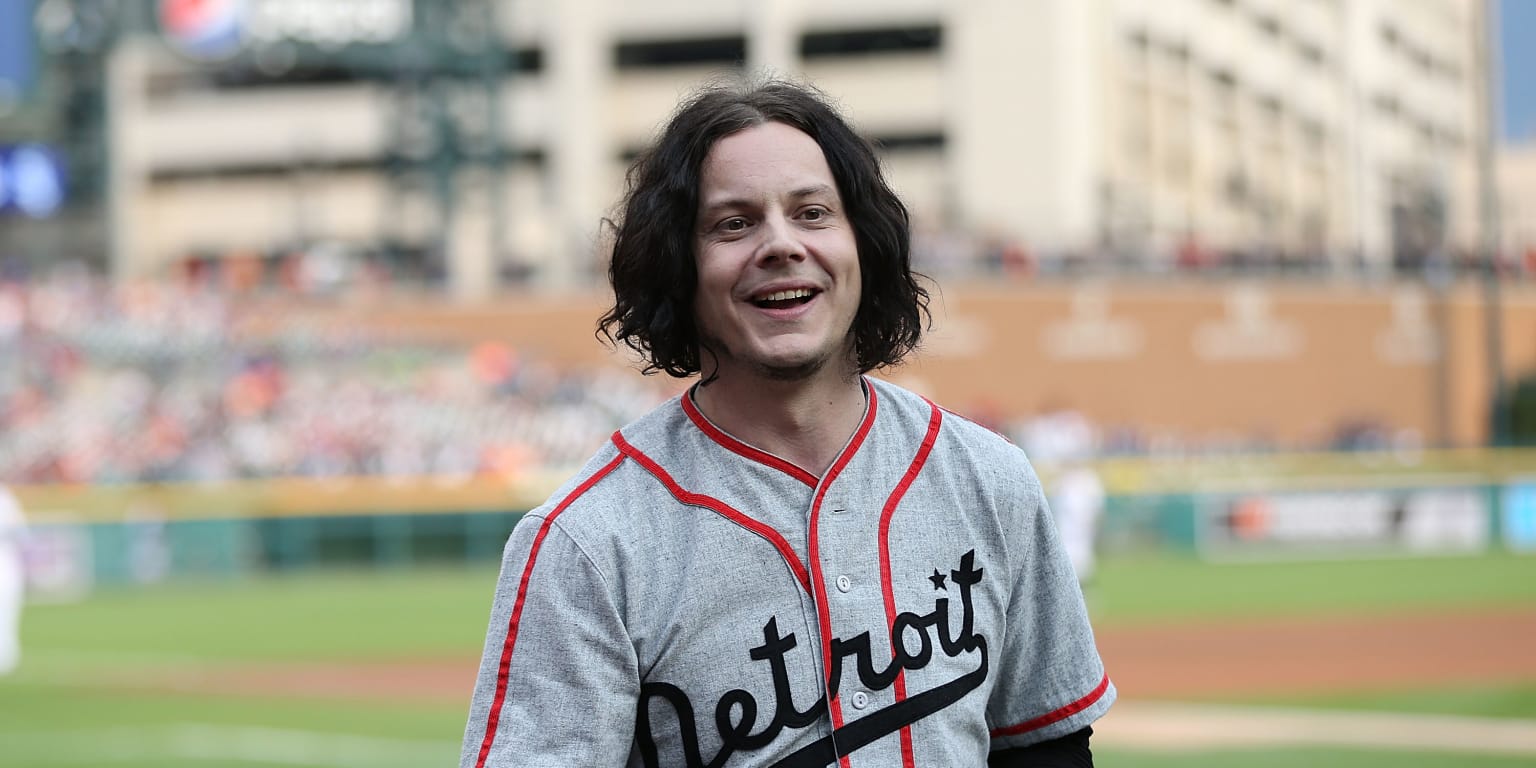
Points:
(159, 382)
(945, 253)
(156, 383)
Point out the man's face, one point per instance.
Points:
(777, 261)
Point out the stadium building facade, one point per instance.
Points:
(1311, 134)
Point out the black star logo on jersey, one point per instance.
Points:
(938, 580)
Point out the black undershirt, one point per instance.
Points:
(1069, 751)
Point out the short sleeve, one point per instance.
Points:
(1050, 679)
(557, 662)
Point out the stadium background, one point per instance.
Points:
(277, 382)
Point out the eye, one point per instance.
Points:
(815, 213)
(733, 224)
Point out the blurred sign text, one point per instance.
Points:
(1322, 523)
(217, 29)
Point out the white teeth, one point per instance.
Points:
(798, 293)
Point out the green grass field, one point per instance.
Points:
(1162, 589)
(52, 713)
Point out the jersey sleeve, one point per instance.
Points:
(558, 679)
(1051, 681)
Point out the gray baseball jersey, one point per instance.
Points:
(689, 600)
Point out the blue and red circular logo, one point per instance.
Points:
(208, 30)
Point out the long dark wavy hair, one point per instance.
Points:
(653, 272)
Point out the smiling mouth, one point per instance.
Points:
(784, 299)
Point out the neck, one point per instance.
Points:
(805, 422)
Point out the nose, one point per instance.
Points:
(781, 240)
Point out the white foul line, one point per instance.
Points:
(1189, 727)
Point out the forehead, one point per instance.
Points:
(763, 157)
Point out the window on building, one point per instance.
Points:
(298, 73)
(915, 140)
(866, 42)
(1137, 125)
(1268, 24)
(1423, 60)
(1311, 53)
(1273, 110)
(1314, 133)
(644, 54)
(527, 61)
(1178, 52)
(1387, 104)
(1224, 97)
(1426, 131)
(337, 69)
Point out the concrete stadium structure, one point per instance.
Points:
(1312, 133)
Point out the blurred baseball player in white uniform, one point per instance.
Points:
(1062, 442)
(1077, 501)
(12, 580)
(792, 564)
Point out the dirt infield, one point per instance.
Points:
(1316, 655)
(1245, 661)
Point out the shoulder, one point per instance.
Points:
(657, 423)
(971, 455)
(980, 445)
(599, 500)
(902, 404)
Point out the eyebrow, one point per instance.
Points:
(739, 202)
(814, 189)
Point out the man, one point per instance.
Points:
(1078, 503)
(791, 564)
(1061, 444)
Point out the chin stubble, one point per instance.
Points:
(788, 373)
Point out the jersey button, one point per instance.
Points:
(860, 700)
(844, 583)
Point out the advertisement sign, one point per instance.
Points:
(1334, 523)
(1519, 522)
(330, 23)
(59, 560)
(214, 30)
(207, 30)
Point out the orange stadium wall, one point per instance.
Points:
(1202, 360)
(1285, 362)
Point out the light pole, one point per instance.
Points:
(1487, 44)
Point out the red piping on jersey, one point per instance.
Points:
(1056, 716)
(719, 507)
(742, 449)
(517, 608)
(935, 418)
(818, 582)
(836, 708)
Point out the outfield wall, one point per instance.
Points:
(1284, 362)
(1300, 506)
